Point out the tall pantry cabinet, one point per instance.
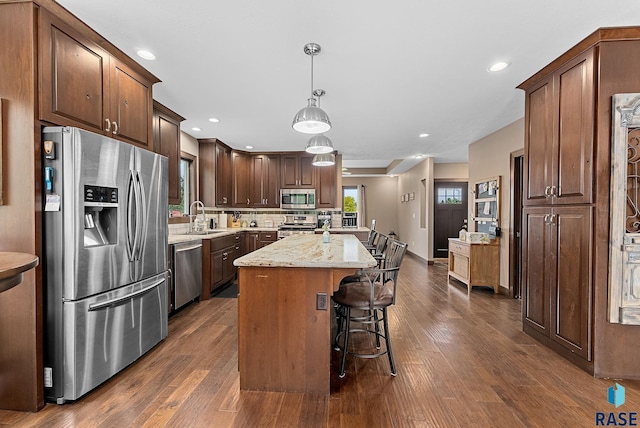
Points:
(54, 70)
(566, 202)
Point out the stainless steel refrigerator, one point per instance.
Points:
(105, 258)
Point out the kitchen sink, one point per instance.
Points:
(205, 232)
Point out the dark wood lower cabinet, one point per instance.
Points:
(557, 275)
(218, 255)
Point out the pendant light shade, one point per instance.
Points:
(324, 159)
(311, 119)
(319, 144)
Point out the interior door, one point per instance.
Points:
(450, 214)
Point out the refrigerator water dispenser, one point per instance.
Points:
(100, 216)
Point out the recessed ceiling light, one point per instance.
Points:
(499, 66)
(195, 128)
(144, 54)
(425, 135)
(248, 147)
(214, 119)
(418, 156)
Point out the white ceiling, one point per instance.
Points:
(391, 69)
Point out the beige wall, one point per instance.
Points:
(452, 171)
(420, 239)
(381, 195)
(490, 157)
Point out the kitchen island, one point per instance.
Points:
(284, 310)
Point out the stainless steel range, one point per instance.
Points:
(297, 225)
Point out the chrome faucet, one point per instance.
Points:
(194, 218)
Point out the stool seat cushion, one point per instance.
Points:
(349, 279)
(358, 294)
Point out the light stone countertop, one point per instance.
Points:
(343, 251)
(216, 233)
(346, 229)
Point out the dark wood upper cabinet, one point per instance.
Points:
(207, 172)
(559, 137)
(166, 141)
(297, 171)
(83, 85)
(539, 142)
(325, 186)
(131, 105)
(240, 168)
(214, 172)
(265, 180)
(223, 176)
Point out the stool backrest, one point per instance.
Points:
(371, 239)
(394, 253)
(381, 243)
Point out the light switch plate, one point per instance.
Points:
(322, 303)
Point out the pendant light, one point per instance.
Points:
(319, 144)
(311, 119)
(324, 159)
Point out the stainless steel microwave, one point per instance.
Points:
(297, 199)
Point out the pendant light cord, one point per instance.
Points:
(312, 55)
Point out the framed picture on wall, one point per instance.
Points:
(412, 196)
(402, 198)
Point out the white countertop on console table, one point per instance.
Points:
(343, 251)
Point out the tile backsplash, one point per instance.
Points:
(262, 218)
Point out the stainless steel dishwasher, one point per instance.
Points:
(186, 265)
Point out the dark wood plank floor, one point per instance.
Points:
(462, 362)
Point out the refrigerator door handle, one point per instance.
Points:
(113, 302)
(131, 202)
(137, 235)
(141, 210)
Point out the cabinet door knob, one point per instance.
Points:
(115, 128)
(247, 201)
(108, 128)
(547, 192)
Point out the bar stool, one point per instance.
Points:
(369, 296)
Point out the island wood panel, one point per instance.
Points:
(284, 342)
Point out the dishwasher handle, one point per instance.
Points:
(193, 247)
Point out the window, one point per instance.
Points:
(450, 195)
(350, 199)
(187, 186)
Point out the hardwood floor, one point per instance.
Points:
(462, 362)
